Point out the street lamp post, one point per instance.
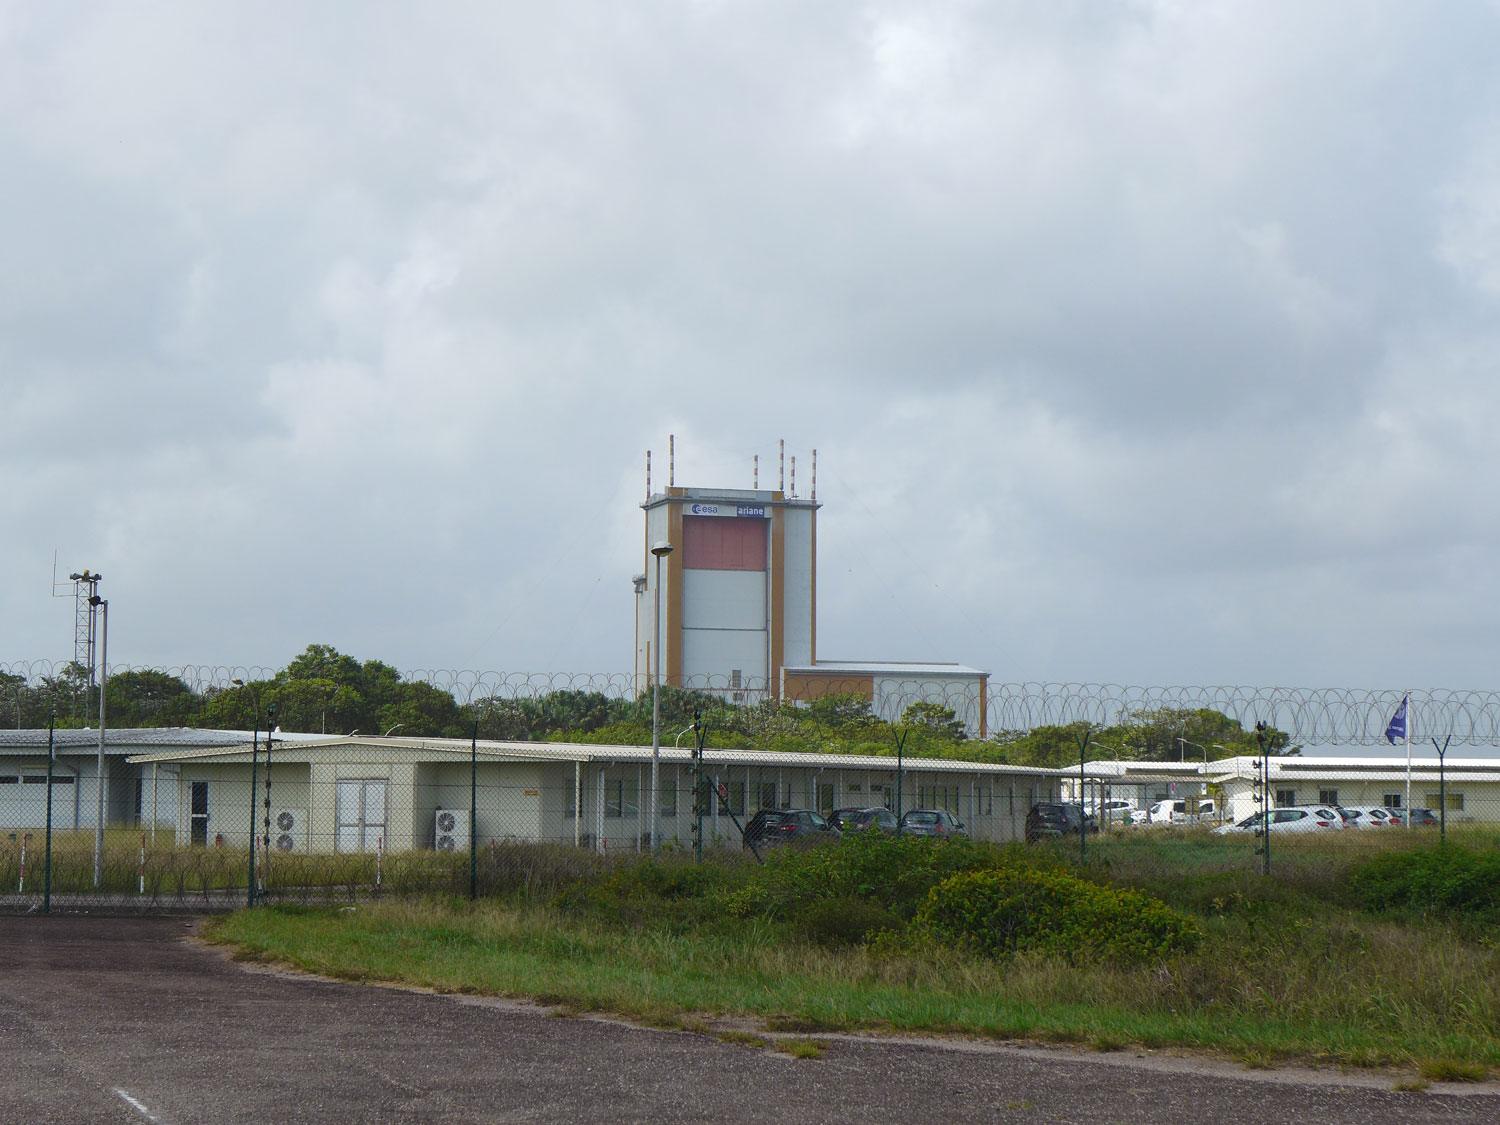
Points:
(661, 549)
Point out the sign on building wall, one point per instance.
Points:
(732, 511)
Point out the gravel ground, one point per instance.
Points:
(132, 1020)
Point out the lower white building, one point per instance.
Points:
(362, 794)
(1469, 787)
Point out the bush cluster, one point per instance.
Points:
(894, 873)
(1448, 882)
(1015, 908)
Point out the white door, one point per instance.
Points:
(361, 815)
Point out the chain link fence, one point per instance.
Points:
(359, 824)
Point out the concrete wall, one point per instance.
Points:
(797, 592)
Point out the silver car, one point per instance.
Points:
(1310, 818)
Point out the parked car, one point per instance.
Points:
(932, 822)
(1369, 816)
(1316, 818)
(771, 827)
(1181, 810)
(1420, 818)
(882, 820)
(1055, 819)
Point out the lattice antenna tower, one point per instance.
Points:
(85, 623)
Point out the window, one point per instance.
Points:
(1285, 798)
(622, 797)
(669, 797)
(1328, 796)
(1391, 800)
(985, 803)
(9, 779)
(1455, 801)
(570, 801)
(937, 797)
(765, 794)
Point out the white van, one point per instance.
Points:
(1176, 811)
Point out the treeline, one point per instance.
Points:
(326, 691)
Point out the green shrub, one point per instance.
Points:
(847, 920)
(1447, 881)
(895, 872)
(1009, 909)
(667, 889)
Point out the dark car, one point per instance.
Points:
(1420, 818)
(883, 820)
(770, 827)
(1055, 819)
(932, 822)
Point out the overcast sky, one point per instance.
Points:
(1147, 343)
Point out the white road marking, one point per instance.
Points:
(137, 1105)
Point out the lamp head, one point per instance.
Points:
(661, 548)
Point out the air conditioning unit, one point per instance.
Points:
(450, 830)
(289, 830)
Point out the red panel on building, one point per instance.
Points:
(714, 543)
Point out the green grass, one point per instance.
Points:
(1453, 1070)
(1290, 968)
(1287, 1001)
(802, 1048)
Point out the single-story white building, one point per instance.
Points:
(1471, 785)
(363, 793)
(134, 793)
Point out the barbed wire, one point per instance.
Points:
(1310, 716)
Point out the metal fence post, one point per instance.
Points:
(265, 843)
(474, 813)
(1442, 791)
(900, 773)
(1083, 817)
(254, 763)
(47, 864)
(699, 797)
(1265, 788)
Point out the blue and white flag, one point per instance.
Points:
(1396, 732)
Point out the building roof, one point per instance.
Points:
(1383, 768)
(762, 497)
(132, 739)
(885, 668)
(459, 749)
(1133, 771)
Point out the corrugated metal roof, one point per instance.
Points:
(580, 752)
(125, 739)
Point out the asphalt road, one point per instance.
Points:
(130, 1020)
